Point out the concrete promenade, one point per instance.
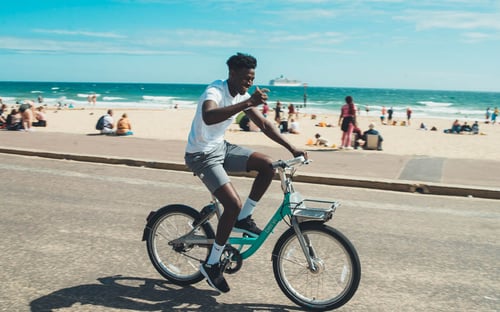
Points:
(365, 169)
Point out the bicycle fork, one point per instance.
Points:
(305, 245)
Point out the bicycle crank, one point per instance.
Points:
(231, 260)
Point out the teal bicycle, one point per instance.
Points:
(315, 265)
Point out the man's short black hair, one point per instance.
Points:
(241, 60)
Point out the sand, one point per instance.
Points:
(174, 124)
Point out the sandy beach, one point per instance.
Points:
(174, 124)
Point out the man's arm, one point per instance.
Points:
(271, 131)
(213, 114)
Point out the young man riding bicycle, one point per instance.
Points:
(210, 157)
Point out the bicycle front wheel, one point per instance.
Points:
(336, 273)
(178, 263)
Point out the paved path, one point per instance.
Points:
(369, 169)
(73, 244)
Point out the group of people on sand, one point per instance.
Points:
(493, 115)
(458, 128)
(287, 123)
(22, 117)
(123, 126)
(352, 136)
(390, 112)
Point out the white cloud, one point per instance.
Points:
(317, 38)
(303, 15)
(475, 37)
(22, 45)
(79, 33)
(204, 38)
(426, 20)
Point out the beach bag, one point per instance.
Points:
(100, 123)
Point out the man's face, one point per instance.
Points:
(240, 80)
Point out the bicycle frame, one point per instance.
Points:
(291, 207)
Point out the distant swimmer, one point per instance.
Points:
(92, 99)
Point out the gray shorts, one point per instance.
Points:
(212, 167)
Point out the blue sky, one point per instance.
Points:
(426, 44)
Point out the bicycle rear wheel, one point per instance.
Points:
(179, 264)
(337, 274)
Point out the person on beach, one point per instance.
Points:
(475, 127)
(358, 137)
(383, 111)
(109, 123)
(466, 128)
(14, 120)
(371, 130)
(92, 99)
(408, 116)
(291, 111)
(487, 115)
(27, 116)
(265, 110)
(123, 127)
(277, 112)
(210, 157)
(494, 116)
(294, 127)
(389, 115)
(321, 141)
(347, 121)
(41, 121)
(3, 109)
(456, 128)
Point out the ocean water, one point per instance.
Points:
(463, 105)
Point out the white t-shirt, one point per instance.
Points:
(108, 121)
(203, 137)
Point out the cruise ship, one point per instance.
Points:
(284, 82)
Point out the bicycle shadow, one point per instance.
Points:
(142, 294)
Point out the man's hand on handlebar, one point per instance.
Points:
(297, 153)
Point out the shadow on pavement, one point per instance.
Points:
(142, 294)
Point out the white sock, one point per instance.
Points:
(215, 254)
(247, 209)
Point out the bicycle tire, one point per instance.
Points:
(180, 267)
(338, 274)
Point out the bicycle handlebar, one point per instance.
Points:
(290, 163)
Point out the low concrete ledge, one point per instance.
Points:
(380, 184)
(99, 159)
(402, 186)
